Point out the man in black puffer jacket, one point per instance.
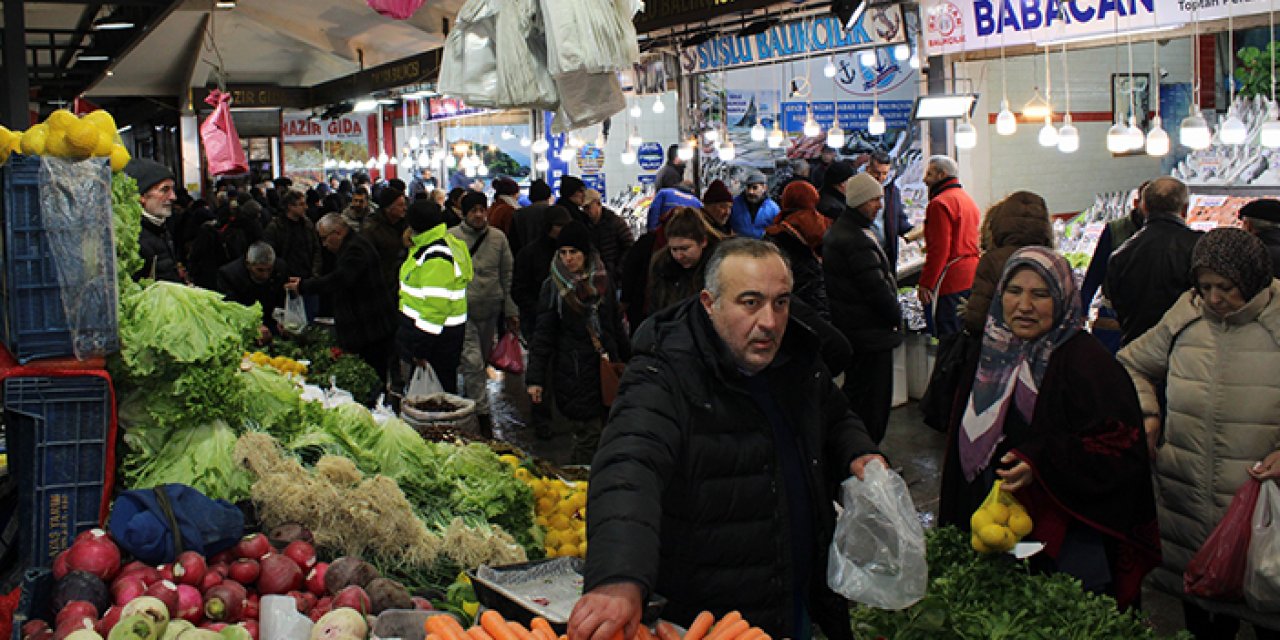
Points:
(714, 478)
(831, 195)
(863, 295)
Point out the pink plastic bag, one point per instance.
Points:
(398, 9)
(507, 354)
(1217, 570)
(221, 142)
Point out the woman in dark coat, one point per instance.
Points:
(799, 231)
(677, 270)
(577, 318)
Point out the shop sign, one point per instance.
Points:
(257, 96)
(954, 26)
(306, 129)
(590, 160)
(557, 167)
(647, 179)
(594, 182)
(853, 115)
(442, 107)
(879, 26)
(650, 156)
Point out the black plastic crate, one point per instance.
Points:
(62, 454)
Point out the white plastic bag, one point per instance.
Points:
(521, 49)
(295, 313)
(469, 67)
(877, 554)
(423, 383)
(1262, 572)
(281, 620)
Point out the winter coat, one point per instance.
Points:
(502, 215)
(489, 292)
(364, 306)
(1271, 240)
(1223, 413)
(1149, 272)
(831, 202)
(752, 225)
(562, 352)
(527, 226)
(669, 176)
(355, 219)
(159, 260)
(235, 283)
(218, 242)
(861, 287)
(687, 493)
(1008, 226)
(532, 267)
(612, 238)
(296, 243)
(670, 283)
(895, 221)
(950, 236)
(388, 238)
(806, 271)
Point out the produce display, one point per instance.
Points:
(64, 135)
(492, 626)
(561, 509)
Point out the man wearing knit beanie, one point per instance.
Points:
(155, 189)
(1262, 218)
(717, 202)
(753, 210)
(831, 201)
(572, 195)
(575, 235)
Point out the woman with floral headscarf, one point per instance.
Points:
(1052, 414)
(1217, 353)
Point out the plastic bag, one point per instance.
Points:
(587, 99)
(78, 221)
(397, 9)
(1262, 574)
(507, 354)
(523, 79)
(877, 554)
(423, 383)
(468, 70)
(221, 142)
(999, 522)
(589, 35)
(295, 313)
(281, 620)
(1217, 570)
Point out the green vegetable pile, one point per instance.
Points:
(128, 227)
(977, 597)
(326, 364)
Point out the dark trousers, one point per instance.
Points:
(443, 351)
(947, 321)
(1216, 626)
(868, 384)
(380, 355)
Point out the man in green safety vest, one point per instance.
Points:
(433, 295)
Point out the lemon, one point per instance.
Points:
(119, 157)
(998, 512)
(33, 141)
(541, 521)
(82, 137)
(978, 544)
(1010, 540)
(979, 519)
(546, 506)
(1020, 524)
(569, 536)
(55, 144)
(14, 143)
(103, 122)
(567, 551)
(535, 485)
(579, 500)
(553, 539)
(566, 507)
(522, 474)
(510, 459)
(992, 535)
(582, 549)
(560, 522)
(103, 147)
(61, 120)
(552, 552)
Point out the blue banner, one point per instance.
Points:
(594, 182)
(853, 115)
(650, 156)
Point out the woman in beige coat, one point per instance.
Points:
(1218, 352)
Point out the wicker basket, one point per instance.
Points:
(441, 417)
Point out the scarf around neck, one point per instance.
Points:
(581, 290)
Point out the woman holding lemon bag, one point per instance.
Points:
(1051, 414)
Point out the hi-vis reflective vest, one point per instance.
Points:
(433, 281)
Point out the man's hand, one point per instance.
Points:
(264, 334)
(925, 296)
(513, 324)
(1268, 469)
(1017, 477)
(535, 394)
(1151, 424)
(859, 464)
(606, 611)
(292, 284)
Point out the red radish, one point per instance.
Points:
(190, 604)
(353, 597)
(126, 588)
(34, 626)
(76, 609)
(252, 627)
(210, 579)
(252, 607)
(226, 556)
(244, 571)
(422, 604)
(222, 569)
(108, 621)
(315, 580)
(302, 553)
(166, 592)
(189, 568)
(136, 565)
(310, 599)
(89, 533)
(70, 626)
(96, 554)
(166, 573)
(224, 602)
(47, 634)
(279, 575)
(147, 573)
(300, 603)
(325, 605)
(60, 568)
(253, 546)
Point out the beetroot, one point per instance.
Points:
(76, 610)
(224, 602)
(166, 592)
(279, 575)
(253, 546)
(348, 571)
(302, 553)
(126, 588)
(422, 604)
(210, 579)
(108, 621)
(244, 571)
(353, 597)
(189, 568)
(60, 568)
(96, 554)
(190, 604)
(315, 579)
(80, 585)
(386, 594)
(288, 532)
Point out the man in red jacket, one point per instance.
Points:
(951, 245)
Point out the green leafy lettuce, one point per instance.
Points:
(201, 457)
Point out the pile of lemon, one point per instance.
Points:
(997, 527)
(561, 510)
(64, 135)
(279, 363)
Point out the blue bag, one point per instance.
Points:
(155, 525)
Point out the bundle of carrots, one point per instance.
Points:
(494, 627)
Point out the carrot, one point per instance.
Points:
(701, 624)
(724, 623)
(754, 633)
(732, 631)
(432, 636)
(496, 626)
(446, 627)
(643, 633)
(542, 629)
(478, 633)
(667, 632)
(518, 629)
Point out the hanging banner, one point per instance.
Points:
(308, 142)
(879, 26)
(954, 26)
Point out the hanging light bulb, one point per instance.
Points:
(1194, 131)
(567, 153)
(712, 135)
(811, 127)
(525, 141)
(829, 69)
(658, 107)
(1037, 107)
(1048, 134)
(776, 137)
(483, 169)
(1068, 136)
(835, 135)
(450, 161)
(424, 159)
(875, 124)
(634, 140)
(727, 151)
(628, 156)
(758, 133)
(382, 158)
(409, 163)
(914, 62)
(1232, 130)
(470, 172)
(330, 163)
(507, 133)
(1157, 139)
(1117, 142)
(1133, 134)
(1006, 122)
(635, 111)
(415, 142)
(902, 52)
(574, 141)
(542, 164)
(867, 58)
(685, 152)
(540, 146)
(966, 135)
(1269, 134)
(371, 163)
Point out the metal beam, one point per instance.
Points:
(82, 30)
(118, 3)
(13, 105)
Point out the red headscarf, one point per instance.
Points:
(799, 215)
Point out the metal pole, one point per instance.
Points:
(13, 106)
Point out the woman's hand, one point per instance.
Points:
(1151, 424)
(1016, 478)
(535, 394)
(1268, 469)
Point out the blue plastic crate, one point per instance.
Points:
(62, 454)
(37, 591)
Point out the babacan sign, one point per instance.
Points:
(955, 26)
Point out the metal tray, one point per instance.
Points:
(547, 588)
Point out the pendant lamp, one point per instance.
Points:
(811, 127)
(1193, 132)
(1157, 140)
(1232, 130)
(1269, 134)
(966, 135)
(835, 135)
(776, 137)
(628, 156)
(1068, 136)
(727, 151)
(635, 111)
(1006, 122)
(540, 146)
(1048, 133)
(1117, 141)
(829, 69)
(758, 132)
(658, 107)
(542, 164)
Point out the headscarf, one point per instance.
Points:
(799, 217)
(1010, 370)
(1236, 255)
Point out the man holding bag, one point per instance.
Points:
(711, 485)
(433, 296)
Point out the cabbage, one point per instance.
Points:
(271, 400)
(203, 457)
(168, 325)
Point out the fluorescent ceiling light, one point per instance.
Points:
(365, 106)
(944, 107)
(111, 23)
(92, 57)
(225, 4)
(386, 101)
(848, 12)
(1108, 35)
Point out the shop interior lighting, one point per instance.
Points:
(1006, 123)
(902, 52)
(1068, 135)
(658, 107)
(848, 11)
(685, 151)
(483, 169)
(525, 141)
(508, 134)
(776, 137)
(225, 4)
(1269, 134)
(450, 162)
(573, 140)
(1048, 136)
(470, 172)
(635, 111)
(542, 164)
(811, 127)
(408, 163)
(540, 146)
(867, 58)
(567, 153)
(371, 163)
(727, 151)
(92, 57)
(1232, 130)
(634, 140)
(966, 135)
(365, 106)
(415, 142)
(1193, 132)
(758, 132)
(944, 106)
(829, 69)
(392, 161)
(424, 159)
(1117, 139)
(875, 124)
(712, 135)
(628, 156)
(1157, 139)
(835, 135)
(383, 159)
(110, 73)
(330, 163)
(1133, 133)
(113, 21)
(914, 62)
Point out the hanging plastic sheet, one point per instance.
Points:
(590, 35)
(221, 142)
(587, 99)
(397, 9)
(468, 70)
(75, 209)
(523, 78)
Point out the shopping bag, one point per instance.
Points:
(396, 9)
(877, 555)
(423, 383)
(1217, 570)
(507, 354)
(940, 395)
(295, 313)
(999, 522)
(221, 142)
(610, 376)
(1262, 571)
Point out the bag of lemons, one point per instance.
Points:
(999, 523)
